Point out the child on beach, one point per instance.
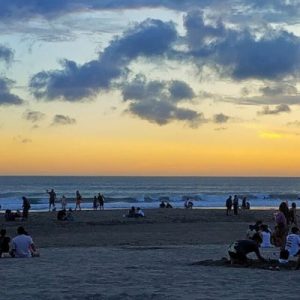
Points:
(63, 202)
(95, 203)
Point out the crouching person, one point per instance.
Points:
(238, 250)
(22, 245)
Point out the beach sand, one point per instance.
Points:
(102, 255)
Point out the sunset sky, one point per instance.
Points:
(156, 87)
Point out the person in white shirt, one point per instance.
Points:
(22, 244)
(293, 242)
(139, 212)
(266, 236)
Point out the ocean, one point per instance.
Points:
(147, 192)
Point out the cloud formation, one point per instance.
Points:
(6, 54)
(277, 110)
(75, 83)
(157, 101)
(6, 97)
(220, 118)
(33, 116)
(241, 54)
(63, 120)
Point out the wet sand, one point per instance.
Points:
(102, 255)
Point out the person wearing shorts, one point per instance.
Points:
(238, 250)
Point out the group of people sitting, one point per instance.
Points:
(285, 236)
(135, 213)
(20, 246)
(63, 215)
(165, 204)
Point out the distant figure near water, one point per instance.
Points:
(228, 205)
(78, 200)
(26, 207)
(52, 198)
(101, 201)
(235, 204)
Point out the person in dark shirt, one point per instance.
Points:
(238, 250)
(4, 242)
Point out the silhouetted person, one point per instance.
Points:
(4, 242)
(26, 207)
(52, 198)
(78, 200)
(235, 204)
(228, 205)
(101, 201)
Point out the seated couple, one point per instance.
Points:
(62, 215)
(135, 213)
(22, 245)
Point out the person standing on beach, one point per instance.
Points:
(26, 207)
(52, 198)
(63, 202)
(235, 204)
(95, 203)
(78, 201)
(101, 201)
(228, 205)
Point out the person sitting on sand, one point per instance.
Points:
(62, 215)
(238, 250)
(162, 204)
(131, 212)
(4, 242)
(139, 213)
(188, 203)
(293, 242)
(22, 244)
(265, 234)
(253, 229)
(169, 205)
(69, 216)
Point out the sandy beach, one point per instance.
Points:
(102, 255)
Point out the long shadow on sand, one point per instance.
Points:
(271, 265)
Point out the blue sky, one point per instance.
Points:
(218, 68)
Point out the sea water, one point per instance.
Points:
(147, 192)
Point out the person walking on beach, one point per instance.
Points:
(101, 201)
(52, 198)
(26, 207)
(228, 205)
(235, 204)
(78, 201)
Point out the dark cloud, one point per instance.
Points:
(220, 118)
(6, 54)
(6, 97)
(277, 110)
(63, 120)
(33, 116)
(279, 89)
(241, 54)
(157, 101)
(75, 82)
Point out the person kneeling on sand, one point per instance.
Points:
(238, 250)
(22, 245)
